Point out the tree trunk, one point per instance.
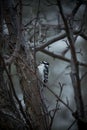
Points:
(32, 97)
(80, 113)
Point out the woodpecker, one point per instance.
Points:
(43, 70)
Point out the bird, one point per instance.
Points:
(43, 69)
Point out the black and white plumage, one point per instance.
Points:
(43, 69)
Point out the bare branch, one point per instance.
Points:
(18, 101)
(62, 57)
(83, 76)
(71, 125)
(74, 64)
(56, 38)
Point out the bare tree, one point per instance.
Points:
(19, 44)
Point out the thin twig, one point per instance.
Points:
(62, 57)
(71, 125)
(19, 103)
